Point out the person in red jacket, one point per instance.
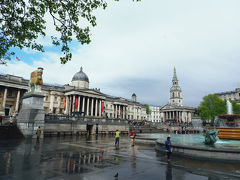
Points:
(133, 135)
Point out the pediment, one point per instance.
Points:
(167, 106)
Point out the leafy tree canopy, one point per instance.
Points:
(22, 22)
(235, 107)
(148, 111)
(212, 106)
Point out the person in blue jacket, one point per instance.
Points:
(168, 146)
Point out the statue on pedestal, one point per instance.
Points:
(32, 113)
(36, 81)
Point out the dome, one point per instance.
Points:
(133, 94)
(80, 76)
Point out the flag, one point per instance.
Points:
(76, 103)
(102, 108)
(65, 103)
(18, 58)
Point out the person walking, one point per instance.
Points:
(133, 135)
(38, 133)
(168, 147)
(117, 136)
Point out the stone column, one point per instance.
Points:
(100, 108)
(83, 105)
(59, 104)
(126, 112)
(180, 115)
(96, 103)
(79, 98)
(87, 106)
(73, 104)
(92, 107)
(4, 98)
(17, 101)
(51, 103)
(119, 111)
(70, 105)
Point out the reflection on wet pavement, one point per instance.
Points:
(96, 158)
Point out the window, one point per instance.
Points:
(46, 98)
(61, 99)
(55, 98)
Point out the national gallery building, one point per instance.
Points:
(76, 98)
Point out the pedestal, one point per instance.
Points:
(32, 115)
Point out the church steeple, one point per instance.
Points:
(175, 75)
(175, 91)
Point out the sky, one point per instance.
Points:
(136, 45)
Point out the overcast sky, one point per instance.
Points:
(135, 47)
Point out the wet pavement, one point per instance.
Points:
(96, 158)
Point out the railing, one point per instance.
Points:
(83, 120)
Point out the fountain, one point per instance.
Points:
(228, 124)
(200, 146)
(194, 146)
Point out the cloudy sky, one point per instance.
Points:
(135, 47)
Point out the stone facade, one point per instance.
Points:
(174, 110)
(31, 115)
(76, 98)
(155, 115)
(230, 95)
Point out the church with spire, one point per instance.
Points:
(175, 91)
(174, 111)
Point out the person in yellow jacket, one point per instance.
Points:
(38, 133)
(117, 136)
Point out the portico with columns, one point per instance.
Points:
(84, 104)
(11, 95)
(181, 114)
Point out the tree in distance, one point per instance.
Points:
(212, 106)
(235, 107)
(22, 22)
(148, 111)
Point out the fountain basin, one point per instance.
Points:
(193, 146)
(229, 133)
(201, 152)
(228, 126)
